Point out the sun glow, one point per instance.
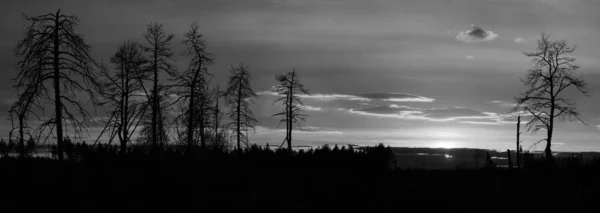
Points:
(445, 134)
(445, 144)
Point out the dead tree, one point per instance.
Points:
(195, 80)
(518, 148)
(238, 97)
(160, 60)
(162, 127)
(122, 87)
(217, 115)
(552, 73)
(22, 108)
(290, 88)
(51, 51)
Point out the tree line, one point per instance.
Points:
(55, 68)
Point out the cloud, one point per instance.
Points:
(519, 40)
(315, 129)
(476, 34)
(302, 130)
(450, 114)
(470, 57)
(311, 108)
(318, 96)
(390, 97)
(396, 97)
(502, 103)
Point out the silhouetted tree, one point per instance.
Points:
(518, 148)
(146, 135)
(4, 150)
(51, 50)
(290, 88)
(553, 71)
(160, 60)
(238, 97)
(195, 80)
(22, 108)
(122, 91)
(217, 116)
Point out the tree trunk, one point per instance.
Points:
(202, 138)
(57, 99)
(518, 142)
(22, 139)
(509, 159)
(217, 118)
(190, 139)
(289, 126)
(123, 113)
(290, 113)
(548, 150)
(155, 96)
(239, 103)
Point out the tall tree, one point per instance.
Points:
(518, 148)
(122, 91)
(290, 88)
(238, 97)
(160, 60)
(51, 51)
(195, 79)
(553, 72)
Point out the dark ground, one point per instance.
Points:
(294, 184)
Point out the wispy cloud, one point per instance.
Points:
(391, 97)
(302, 130)
(450, 114)
(311, 108)
(476, 34)
(322, 130)
(502, 103)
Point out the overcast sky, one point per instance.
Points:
(434, 73)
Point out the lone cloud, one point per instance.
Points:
(476, 34)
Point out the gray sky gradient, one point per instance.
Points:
(465, 56)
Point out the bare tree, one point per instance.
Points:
(195, 80)
(518, 148)
(290, 88)
(22, 109)
(160, 60)
(238, 97)
(51, 51)
(553, 71)
(122, 91)
(162, 126)
(217, 116)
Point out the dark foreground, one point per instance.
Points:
(255, 183)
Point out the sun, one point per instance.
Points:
(445, 144)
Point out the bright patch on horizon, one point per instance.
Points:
(444, 144)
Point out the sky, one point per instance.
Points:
(422, 73)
